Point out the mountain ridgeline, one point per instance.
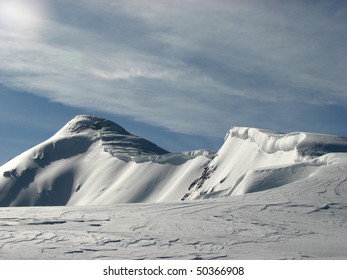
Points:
(93, 161)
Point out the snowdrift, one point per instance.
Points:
(253, 160)
(93, 161)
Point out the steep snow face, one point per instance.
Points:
(254, 160)
(94, 161)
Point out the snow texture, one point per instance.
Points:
(305, 220)
(263, 195)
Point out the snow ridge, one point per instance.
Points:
(269, 141)
(253, 160)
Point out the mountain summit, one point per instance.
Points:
(85, 122)
(114, 138)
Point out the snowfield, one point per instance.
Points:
(297, 222)
(263, 195)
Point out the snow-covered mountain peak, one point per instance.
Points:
(95, 161)
(83, 123)
(112, 137)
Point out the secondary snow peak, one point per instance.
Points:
(253, 159)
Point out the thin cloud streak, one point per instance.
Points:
(188, 67)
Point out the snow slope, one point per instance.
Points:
(253, 160)
(305, 220)
(93, 161)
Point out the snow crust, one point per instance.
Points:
(305, 220)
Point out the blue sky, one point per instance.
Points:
(179, 73)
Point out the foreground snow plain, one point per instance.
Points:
(263, 195)
(297, 222)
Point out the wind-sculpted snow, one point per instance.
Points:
(254, 160)
(305, 220)
(268, 141)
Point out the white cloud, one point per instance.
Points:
(187, 66)
(126, 74)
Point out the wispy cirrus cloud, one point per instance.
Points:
(193, 67)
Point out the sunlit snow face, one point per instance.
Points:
(22, 16)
